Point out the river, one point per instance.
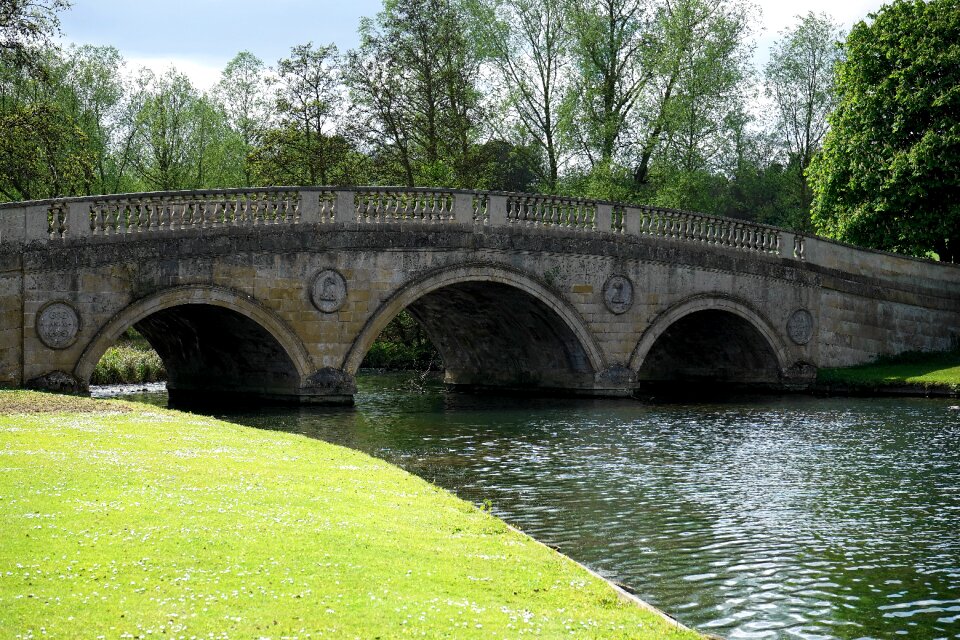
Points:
(769, 517)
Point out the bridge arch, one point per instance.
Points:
(493, 326)
(711, 336)
(181, 323)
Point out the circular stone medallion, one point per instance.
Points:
(800, 326)
(618, 294)
(58, 325)
(329, 291)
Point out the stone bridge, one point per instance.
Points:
(280, 292)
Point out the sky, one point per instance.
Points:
(199, 37)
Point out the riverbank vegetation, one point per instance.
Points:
(403, 346)
(920, 370)
(125, 520)
(132, 360)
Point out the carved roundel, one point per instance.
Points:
(800, 326)
(329, 291)
(618, 294)
(58, 325)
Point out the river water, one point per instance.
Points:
(771, 517)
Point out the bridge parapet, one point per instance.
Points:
(159, 212)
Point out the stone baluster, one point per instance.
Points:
(274, 207)
(212, 213)
(123, 225)
(479, 208)
(183, 214)
(258, 208)
(136, 216)
(110, 218)
(292, 201)
(54, 226)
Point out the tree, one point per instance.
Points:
(242, 93)
(305, 142)
(26, 27)
(615, 48)
(799, 81)
(708, 69)
(415, 77)
(889, 173)
(530, 47)
(92, 92)
(180, 140)
(43, 154)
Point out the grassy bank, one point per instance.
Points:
(919, 370)
(125, 520)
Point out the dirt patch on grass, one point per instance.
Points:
(17, 402)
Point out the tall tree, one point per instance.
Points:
(707, 58)
(615, 48)
(181, 140)
(308, 110)
(530, 46)
(799, 80)
(889, 173)
(415, 77)
(243, 94)
(92, 93)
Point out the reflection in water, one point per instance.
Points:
(768, 518)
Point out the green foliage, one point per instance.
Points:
(127, 364)
(188, 526)
(26, 29)
(242, 93)
(43, 153)
(413, 81)
(529, 44)
(181, 140)
(800, 81)
(498, 165)
(889, 173)
(402, 345)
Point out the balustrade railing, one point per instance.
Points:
(152, 213)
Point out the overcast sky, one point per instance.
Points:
(200, 36)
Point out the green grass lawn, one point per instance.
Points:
(921, 369)
(122, 520)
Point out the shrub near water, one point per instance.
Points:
(127, 364)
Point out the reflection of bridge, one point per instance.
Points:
(280, 292)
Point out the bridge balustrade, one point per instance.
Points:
(159, 212)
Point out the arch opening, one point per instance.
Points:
(493, 334)
(210, 352)
(711, 345)
(216, 343)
